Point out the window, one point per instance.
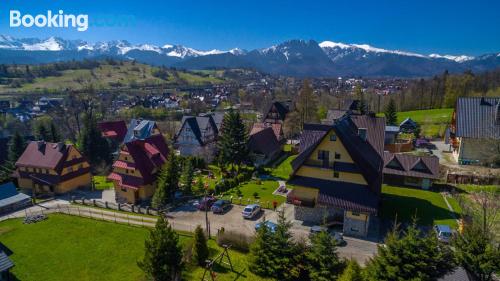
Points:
(323, 154)
(124, 189)
(70, 169)
(337, 155)
(333, 137)
(80, 166)
(356, 214)
(336, 174)
(126, 158)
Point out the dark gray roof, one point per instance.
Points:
(476, 117)
(5, 262)
(200, 123)
(366, 154)
(9, 195)
(264, 142)
(349, 196)
(408, 165)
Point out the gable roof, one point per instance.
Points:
(199, 123)
(139, 129)
(45, 155)
(9, 195)
(476, 117)
(365, 154)
(149, 155)
(263, 142)
(5, 262)
(276, 127)
(113, 129)
(281, 108)
(409, 165)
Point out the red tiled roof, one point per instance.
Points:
(277, 129)
(149, 155)
(126, 180)
(124, 165)
(113, 129)
(44, 155)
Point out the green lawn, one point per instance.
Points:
(265, 193)
(284, 169)
(71, 248)
(405, 203)
(433, 122)
(102, 183)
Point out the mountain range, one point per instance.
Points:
(301, 58)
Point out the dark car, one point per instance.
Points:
(220, 206)
(206, 203)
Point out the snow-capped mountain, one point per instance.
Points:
(294, 57)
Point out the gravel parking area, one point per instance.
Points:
(188, 217)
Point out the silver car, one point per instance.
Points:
(251, 211)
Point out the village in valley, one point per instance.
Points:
(252, 168)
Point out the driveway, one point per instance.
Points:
(187, 217)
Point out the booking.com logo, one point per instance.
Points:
(60, 19)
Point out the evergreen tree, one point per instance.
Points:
(475, 252)
(54, 133)
(410, 257)
(233, 140)
(168, 182)
(200, 185)
(352, 272)
(274, 254)
(17, 145)
(362, 106)
(322, 259)
(200, 246)
(92, 144)
(188, 176)
(42, 133)
(391, 117)
(261, 257)
(163, 253)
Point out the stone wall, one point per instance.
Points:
(355, 227)
(317, 214)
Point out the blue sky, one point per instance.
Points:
(445, 27)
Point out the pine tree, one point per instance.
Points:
(362, 106)
(475, 251)
(323, 261)
(17, 146)
(391, 117)
(54, 134)
(352, 272)
(188, 176)
(92, 144)
(168, 182)
(410, 257)
(163, 253)
(274, 254)
(233, 140)
(200, 246)
(42, 133)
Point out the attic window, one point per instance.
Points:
(363, 133)
(333, 137)
(394, 164)
(421, 167)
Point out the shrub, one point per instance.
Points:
(238, 241)
(256, 194)
(200, 246)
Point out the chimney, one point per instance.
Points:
(41, 146)
(363, 133)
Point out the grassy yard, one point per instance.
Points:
(433, 122)
(72, 248)
(428, 206)
(102, 183)
(265, 192)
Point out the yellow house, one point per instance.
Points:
(141, 156)
(338, 173)
(46, 167)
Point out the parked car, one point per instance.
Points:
(270, 225)
(443, 232)
(206, 203)
(339, 238)
(220, 206)
(251, 211)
